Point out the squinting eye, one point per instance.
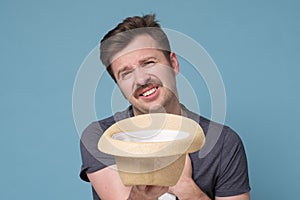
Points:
(149, 63)
(126, 74)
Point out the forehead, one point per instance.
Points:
(140, 42)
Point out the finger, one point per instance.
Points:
(171, 190)
(156, 190)
(187, 170)
(140, 187)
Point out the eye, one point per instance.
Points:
(149, 63)
(126, 74)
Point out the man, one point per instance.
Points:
(138, 57)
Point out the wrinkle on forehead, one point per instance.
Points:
(139, 42)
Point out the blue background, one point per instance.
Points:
(255, 45)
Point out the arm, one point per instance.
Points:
(245, 196)
(108, 185)
(147, 192)
(106, 180)
(186, 188)
(112, 187)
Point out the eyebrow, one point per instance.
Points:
(124, 68)
(147, 58)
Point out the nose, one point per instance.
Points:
(141, 76)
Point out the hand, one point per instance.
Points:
(186, 188)
(146, 192)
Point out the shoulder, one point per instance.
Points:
(96, 128)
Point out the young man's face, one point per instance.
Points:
(145, 76)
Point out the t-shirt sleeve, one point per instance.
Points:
(92, 159)
(233, 177)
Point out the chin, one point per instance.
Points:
(157, 109)
(149, 109)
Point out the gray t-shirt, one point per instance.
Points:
(219, 169)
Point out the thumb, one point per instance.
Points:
(186, 173)
(187, 170)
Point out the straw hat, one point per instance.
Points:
(150, 149)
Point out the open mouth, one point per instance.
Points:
(149, 92)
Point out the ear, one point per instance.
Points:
(174, 62)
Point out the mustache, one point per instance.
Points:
(149, 83)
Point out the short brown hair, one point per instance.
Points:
(119, 37)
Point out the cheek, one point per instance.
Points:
(126, 89)
(167, 76)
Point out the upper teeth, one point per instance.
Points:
(149, 92)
